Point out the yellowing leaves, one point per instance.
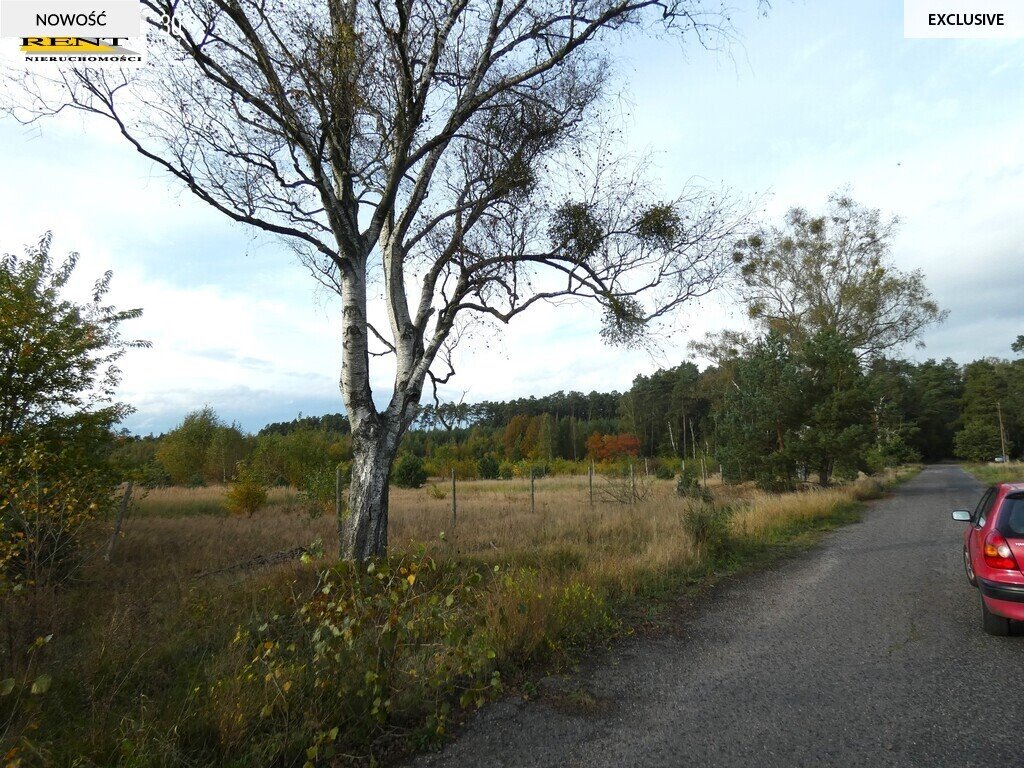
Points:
(364, 643)
(41, 684)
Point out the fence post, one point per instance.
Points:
(647, 467)
(533, 503)
(455, 517)
(122, 508)
(338, 519)
(632, 483)
(590, 480)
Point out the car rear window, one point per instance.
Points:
(984, 507)
(1011, 521)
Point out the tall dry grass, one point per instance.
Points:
(144, 642)
(187, 531)
(206, 500)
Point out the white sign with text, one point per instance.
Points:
(963, 19)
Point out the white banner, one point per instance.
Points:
(70, 18)
(964, 19)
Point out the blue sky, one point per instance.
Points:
(814, 97)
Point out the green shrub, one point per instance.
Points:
(688, 487)
(567, 467)
(978, 440)
(247, 493)
(663, 472)
(774, 483)
(45, 513)
(708, 526)
(319, 487)
(506, 470)
(409, 472)
(400, 640)
(537, 617)
(291, 457)
(582, 617)
(524, 467)
(487, 467)
(465, 469)
(154, 475)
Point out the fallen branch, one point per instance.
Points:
(260, 561)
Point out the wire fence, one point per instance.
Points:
(630, 484)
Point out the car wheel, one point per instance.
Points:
(992, 624)
(967, 567)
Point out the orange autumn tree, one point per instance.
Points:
(609, 447)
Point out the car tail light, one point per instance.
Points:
(998, 553)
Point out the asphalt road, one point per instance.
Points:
(866, 651)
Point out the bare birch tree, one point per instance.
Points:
(443, 151)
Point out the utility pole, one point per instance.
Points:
(1002, 432)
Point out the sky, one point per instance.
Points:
(813, 97)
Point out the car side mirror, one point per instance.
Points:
(961, 515)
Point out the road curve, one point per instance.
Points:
(866, 651)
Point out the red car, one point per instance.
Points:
(993, 554)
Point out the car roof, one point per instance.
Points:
(1011, 487)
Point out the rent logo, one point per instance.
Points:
(85, 50)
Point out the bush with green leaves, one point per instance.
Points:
(57, 356)
(581, 616)
(663, 472)
(44, 515)
(409, 472)
(978, 440)
(464, 469)
(893, 452)
(291, 458)
(688, 486)
(248, 491)
(58, 365)
(488, 468)
(202, 449)
(708, 527)
(320, 486)
(399, 640)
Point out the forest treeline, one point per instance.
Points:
(815, 390)
(748, 416)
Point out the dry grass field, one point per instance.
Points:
(181, 532)
(143, 644)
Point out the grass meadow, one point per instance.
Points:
(991, 473)
(152, 659)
